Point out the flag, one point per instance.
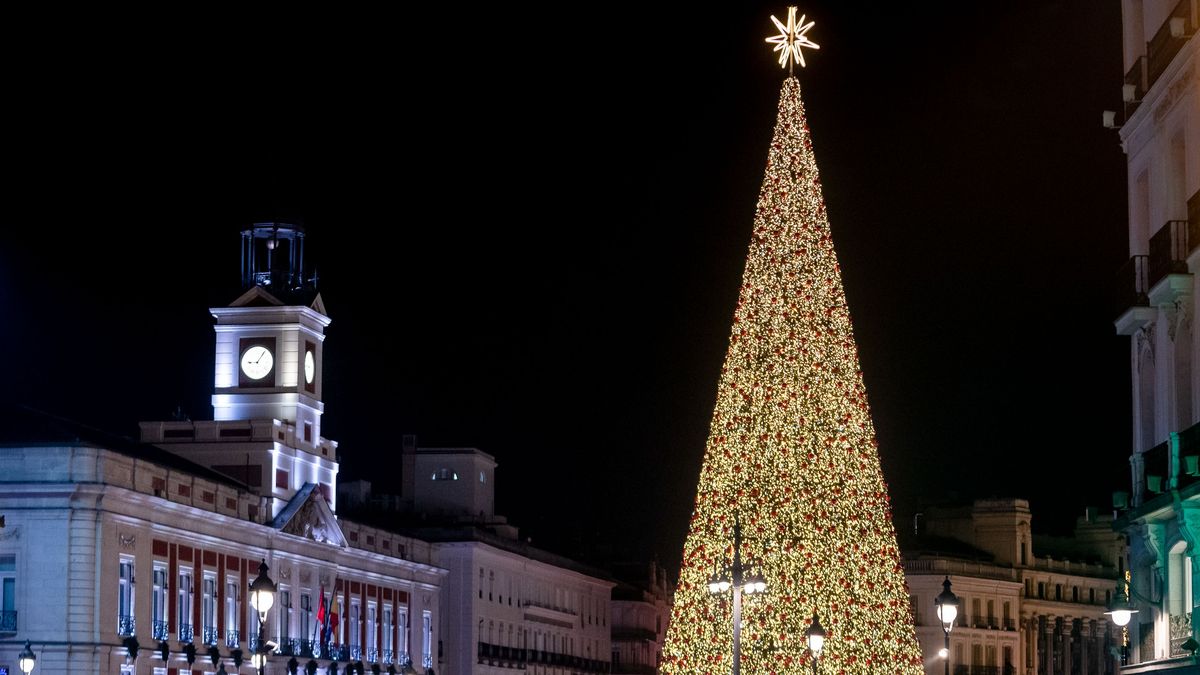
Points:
(321, 607)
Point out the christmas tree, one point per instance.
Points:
(791, 457)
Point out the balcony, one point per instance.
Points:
(1170, 37)
(185, 633)
(159, 630)
(126, 625)
(232, 639)
(1133, 308)
(308, 649)
(337, 652)
(8, 621)
(355, 652)
(388, 656)
(1010, 624)
(1168, 270)
(210, 635)
(1138, 78)
(372, 655)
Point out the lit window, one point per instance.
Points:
(8, 593)
(482, 477)
(427, 638)
(444, 474)
(232, 638)
(158, 604)
(208, 615)
(125, 625)
(184, 605)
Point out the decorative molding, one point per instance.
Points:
(425, 597)
(1170, 97)
(1145, 342)
(327, 580)
(127, 541)
(285, 572)
(305, 576)
(13, 532)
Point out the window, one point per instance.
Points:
(371, 614)
(285, 614)
(482, 477)
(158, 604)
(1058, 591)
(444, 474)
(402, 629)
(355, 626)
(427, 638)
(1042, 590)
(306, 615)
(208, 609)
(1074, 594)
(387, 630)
(184, 605)
(125, 625)
(8, 593)
(232, 612)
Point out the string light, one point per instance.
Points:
(792, 454)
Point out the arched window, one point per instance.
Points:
(1179, 580)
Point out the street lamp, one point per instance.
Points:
(736, 577)
(262, 597)
(1120, 611)
(27, 659)
(816, 640)
(947, 610)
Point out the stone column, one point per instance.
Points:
(1048, 641)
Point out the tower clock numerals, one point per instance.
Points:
(310, 366)
(257, 362)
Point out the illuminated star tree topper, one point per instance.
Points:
(791, 39)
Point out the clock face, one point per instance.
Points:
(257, 362)
(310, 367)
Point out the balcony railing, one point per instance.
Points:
(126, 625)
(337, 652)
(309, 649)
(387, 656)
(1133, 284)
(427, 661)
(355, 652)
(8, 621)
(232, 639)
(1010, 624)
(1138, 78)
(185, 633)
(252, 642)
(159, 630)
(1169, 38)
(372, 655)
(1168, 250)
(403, 659)
(1193, 211)
(211, 635)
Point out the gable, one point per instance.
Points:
(308, 515)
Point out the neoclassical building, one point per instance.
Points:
(1160, 136)
(134, 556)
(1027, 605)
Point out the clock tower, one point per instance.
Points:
(267, 407)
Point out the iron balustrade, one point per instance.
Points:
(310, 648)
(253, 643)
(1168, 250)
(1010, 624)
(8, 621)
(185, 633)
(232, 638)
(211, 635)
(403, 659)
(355, 652)
(427, 661)
(126, 625)
(159, 630)
(337, 652)
(387, 656)
(1133, 284)
(372, 655)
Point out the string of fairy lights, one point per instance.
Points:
(791, 454)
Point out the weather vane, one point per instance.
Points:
(791, 39)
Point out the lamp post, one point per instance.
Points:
(27, 659)
(737, 578)
(1120, 611)
(947, 610)
(816, 640)
(262, 597)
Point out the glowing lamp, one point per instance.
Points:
(947, 606)
(27, 659)
(815, 636)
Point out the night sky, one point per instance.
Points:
(530, 230)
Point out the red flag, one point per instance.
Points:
(321, 607)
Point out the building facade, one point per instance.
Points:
(120, 556)
(641, 611)
(1157, 308)
(1028, 605)
(507, 604)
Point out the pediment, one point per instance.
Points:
(308, 515)
(256, 296)
(318, 306)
